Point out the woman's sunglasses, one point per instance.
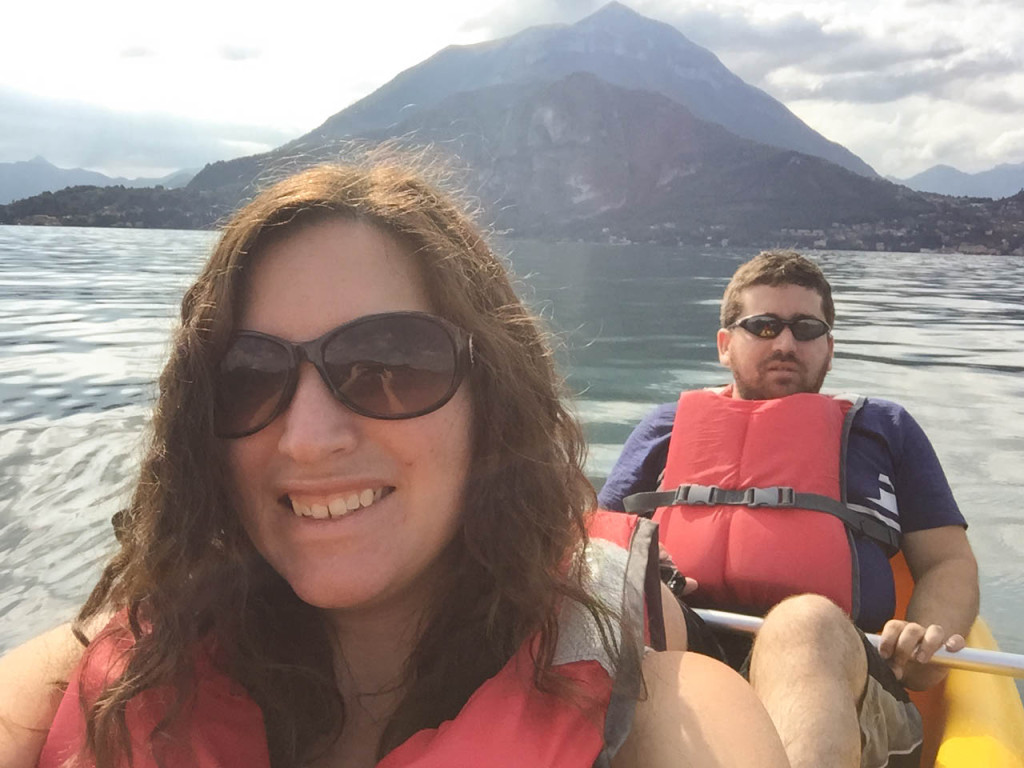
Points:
(770, 326)
(395, 365)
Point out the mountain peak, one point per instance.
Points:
(616, 17)
(615, 10)
(615, 43)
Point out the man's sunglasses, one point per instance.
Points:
(770, 326)
(395, 365)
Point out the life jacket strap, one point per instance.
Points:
(691, 494)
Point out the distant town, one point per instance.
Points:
(972, 227)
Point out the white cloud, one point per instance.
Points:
(289, 68)
(910, 135)
(904, 83)
(1009, 144)
(72, 134)
(852, 68)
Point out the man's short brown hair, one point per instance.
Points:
(775, 267)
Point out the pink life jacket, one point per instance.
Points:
(506, 723)
(747, 483)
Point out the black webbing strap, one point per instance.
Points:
(641, 591)
(644, 504)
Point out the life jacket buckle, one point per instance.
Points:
(696, 495)
(776, 496)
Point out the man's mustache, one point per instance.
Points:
(783, 357)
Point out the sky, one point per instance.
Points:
(144, 89)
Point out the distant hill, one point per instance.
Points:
(1002, 181)
(616, 44)
(30, 177)
(115, 206)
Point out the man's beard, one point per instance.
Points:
(803, 382)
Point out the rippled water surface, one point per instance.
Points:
(84, 321)
(85, 316)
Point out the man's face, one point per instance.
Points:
(764, 369)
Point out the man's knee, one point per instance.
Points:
(808, 616)
(812, 632)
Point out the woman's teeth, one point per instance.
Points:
(338, 506)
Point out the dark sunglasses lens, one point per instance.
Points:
(808, 328)
(393, 367)
(250, 383)
(763, 326)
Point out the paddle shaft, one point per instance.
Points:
(972, 659)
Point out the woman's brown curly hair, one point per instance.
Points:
(187, 576)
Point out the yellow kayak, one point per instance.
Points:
(973, 720)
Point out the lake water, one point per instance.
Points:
(85, 316)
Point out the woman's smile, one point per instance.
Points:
(334, 505)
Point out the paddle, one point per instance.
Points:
(972, 659)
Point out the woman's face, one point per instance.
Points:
(407, 475)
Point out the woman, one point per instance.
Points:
(342, 544)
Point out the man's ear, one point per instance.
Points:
(724, 338)
(831, 351)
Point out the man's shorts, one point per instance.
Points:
(890, 724)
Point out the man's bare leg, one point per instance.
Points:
(809, 668)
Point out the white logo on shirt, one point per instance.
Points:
(886, 500)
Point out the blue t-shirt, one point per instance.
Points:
(891, 470)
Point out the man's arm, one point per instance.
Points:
(942, 608)
(642, 460)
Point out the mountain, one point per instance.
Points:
(577, 158)
(1002, 181)
(582, 156)
(578, 155)
(616, 44)
(30, 177)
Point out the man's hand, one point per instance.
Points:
(908, 647)
(665, 561)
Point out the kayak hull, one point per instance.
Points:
(973, 719)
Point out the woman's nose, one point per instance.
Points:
(316, 425)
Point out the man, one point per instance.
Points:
(774, 495)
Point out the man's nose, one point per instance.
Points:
(785, 339)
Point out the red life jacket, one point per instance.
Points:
(750, 481)
(506, 723)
